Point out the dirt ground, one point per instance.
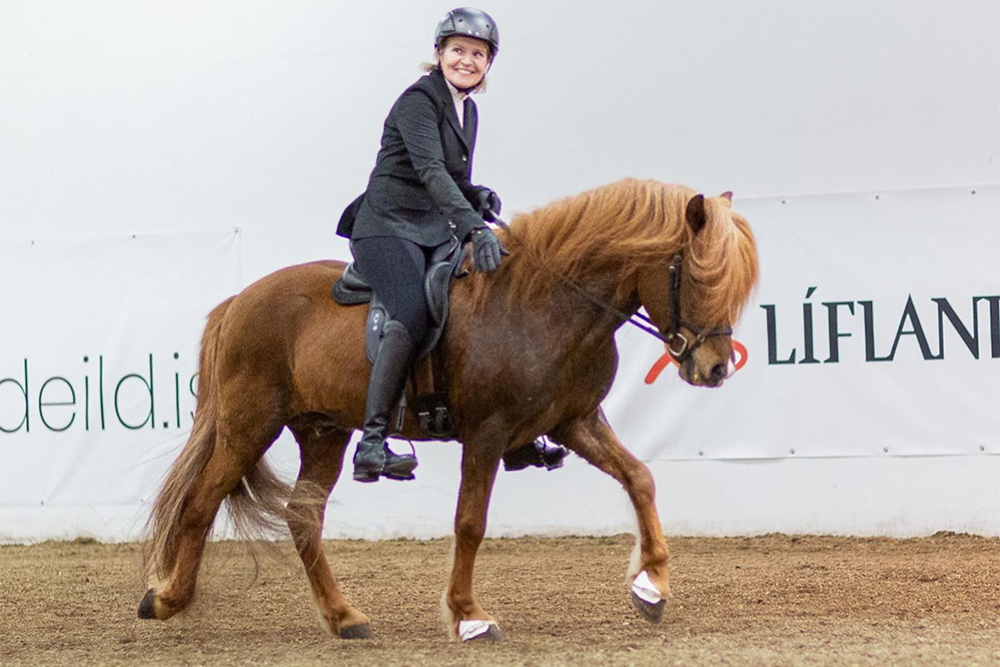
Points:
(774, 599)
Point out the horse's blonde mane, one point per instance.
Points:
(615, 231)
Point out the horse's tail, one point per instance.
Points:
(256, 506)
(163, 526)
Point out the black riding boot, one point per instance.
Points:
(539, 453)
(373, 457)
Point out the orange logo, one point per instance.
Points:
(664, 361)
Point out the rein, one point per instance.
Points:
(673, 334)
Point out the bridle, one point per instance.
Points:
(673, 333)
(679, 346)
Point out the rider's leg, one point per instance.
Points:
(395, 269)
(373, 457)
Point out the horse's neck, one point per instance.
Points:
(587, 310)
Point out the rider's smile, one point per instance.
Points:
(464, 62)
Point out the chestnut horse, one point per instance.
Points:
(524, 354)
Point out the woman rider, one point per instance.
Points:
(420, 195)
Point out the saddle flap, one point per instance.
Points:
(436, 285)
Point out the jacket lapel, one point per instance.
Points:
(449, 105)
(471, 121)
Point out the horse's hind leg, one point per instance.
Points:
(466, 619)
(322, 453)
(234, 454)
(593, 439)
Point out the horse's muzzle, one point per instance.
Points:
(716, 375)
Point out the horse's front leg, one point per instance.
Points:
(592, 438)
(465, 618)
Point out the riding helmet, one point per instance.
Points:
(469, 22)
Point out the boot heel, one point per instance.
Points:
(365, 476)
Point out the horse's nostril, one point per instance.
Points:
(718, 373)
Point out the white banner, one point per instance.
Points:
(98, 355)
(874, 332)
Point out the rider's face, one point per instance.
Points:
(464, 61)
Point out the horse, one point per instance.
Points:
(529, 350)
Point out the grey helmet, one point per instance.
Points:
(469, 22)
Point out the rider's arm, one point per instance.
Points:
(418, 125)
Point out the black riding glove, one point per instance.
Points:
(486, 250)
(487, 202)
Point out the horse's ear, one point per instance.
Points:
(695, 213)
(727, 198)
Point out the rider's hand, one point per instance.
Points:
(488, 201)
(486, 250)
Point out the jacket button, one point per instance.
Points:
(451, 224)
(465, 158)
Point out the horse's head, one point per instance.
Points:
(696, 299)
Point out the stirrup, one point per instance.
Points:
(400, 467)
(552, 454)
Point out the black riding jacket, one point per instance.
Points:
(420, 189)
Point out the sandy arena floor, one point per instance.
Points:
(560, 601)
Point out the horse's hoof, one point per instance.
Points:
(147, 609)
(476, 631)
(652, 612)
(359, 631)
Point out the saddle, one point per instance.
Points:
(445, 264)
